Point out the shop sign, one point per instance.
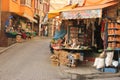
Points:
(97, 13)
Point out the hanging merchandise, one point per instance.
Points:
(60, 31)
(83, 14)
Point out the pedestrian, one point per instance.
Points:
(41, 31)
(46, 31)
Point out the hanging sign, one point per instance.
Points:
(82, 14)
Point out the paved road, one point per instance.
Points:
(28, 61)
(31, 61)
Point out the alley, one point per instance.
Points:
(28, 61)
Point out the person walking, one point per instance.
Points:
(46, 31)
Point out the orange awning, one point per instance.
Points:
(100, 6)
(55, 13)
(91, 11)
(96, 2)
(26, 16)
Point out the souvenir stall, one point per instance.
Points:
(112, 41)
(81, 31)
(82, 23)
(79, 37)
(110, 57)
(18, 28)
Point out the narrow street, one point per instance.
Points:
(28, 61)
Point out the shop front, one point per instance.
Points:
(15, 27)
(85, 29)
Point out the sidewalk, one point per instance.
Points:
(2, 49)
(88, 72)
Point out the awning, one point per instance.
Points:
(29, 17)
(82, 14)
(86, 11)
(99, 6)
(95, 2)
(26, 16)
(55, 13)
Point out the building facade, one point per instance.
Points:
(19, 13)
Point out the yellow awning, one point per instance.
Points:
(55, 13)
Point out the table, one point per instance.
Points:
(76, 49)
(82, 52)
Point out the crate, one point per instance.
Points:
(110, 70)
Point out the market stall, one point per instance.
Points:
(83, 28)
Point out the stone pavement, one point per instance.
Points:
(79, 73)
(2, 49)
(28, 61)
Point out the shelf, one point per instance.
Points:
(113, 41)
(113, 29)
(113, 34)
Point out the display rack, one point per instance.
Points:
(81, 34)
(74, 32)
(113, 42)
(113, 35)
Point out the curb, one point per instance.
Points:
(6, 48)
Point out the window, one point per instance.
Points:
(29, 2)
(41, 1)
(22, 1)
